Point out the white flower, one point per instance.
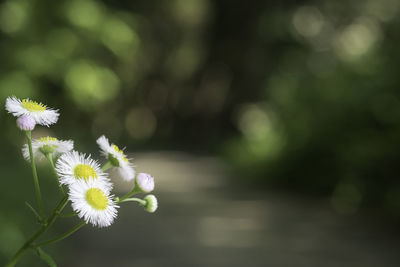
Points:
(47, 145)
(151, 203)
(38, 111)
(91, 200)
(74, 166)
(26, 123)
(145, 182)
(117, 158)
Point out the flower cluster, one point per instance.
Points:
(88, 184)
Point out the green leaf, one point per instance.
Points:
(34, 211)
(46, 257)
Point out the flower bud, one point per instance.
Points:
(151, 203)
(145, 182)
(26, 123)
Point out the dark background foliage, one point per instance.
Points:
(297, 95)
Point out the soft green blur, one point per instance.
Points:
(301, 95)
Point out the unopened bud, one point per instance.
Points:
(145, 182)
(151, 203)
(26, 123)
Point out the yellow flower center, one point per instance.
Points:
(47, 139)
(84, 171)
(118, 150)
(32, 105)
(96, 198)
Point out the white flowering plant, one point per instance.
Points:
(82, 181)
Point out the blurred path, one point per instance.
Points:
(204, 221)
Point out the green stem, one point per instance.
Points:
(28, 244)
(35, 176)
(134, 191)
(141, 201)
(61, 237)
(106, 166)
(50, 159)
(34, 212)
(68, 215)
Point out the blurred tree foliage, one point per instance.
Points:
(302, 94)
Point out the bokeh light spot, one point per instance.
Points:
(90, 84)
(260, 131)
(13, 16)
(191, 13)
(118, 36)
(254, 122)
(308, 21)
(357, 39)
(84, 13)
(140, 123)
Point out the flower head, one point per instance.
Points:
(151, 203)
(44, 145)
(26, 123)
(91, 200)
(145, 182)
(117, 157)
(74, 166)
(38, 111)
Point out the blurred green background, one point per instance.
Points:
(300, 96)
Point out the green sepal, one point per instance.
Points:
(114, 161)
(46, 257)
(47, 149)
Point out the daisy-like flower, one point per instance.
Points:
(44, 145)
(74, 166)
(91, 200)
(117, 158)
(38, 111)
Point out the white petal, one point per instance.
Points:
(100, 218)
(126, 172)
(67, 162)
(14, 106)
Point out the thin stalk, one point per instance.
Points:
(35, 176)
(28, 244)
(34, 212)
(50, 159)
(134, 191)
(141, 201)
(68, 215)
(106, 166)
(61, 237)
